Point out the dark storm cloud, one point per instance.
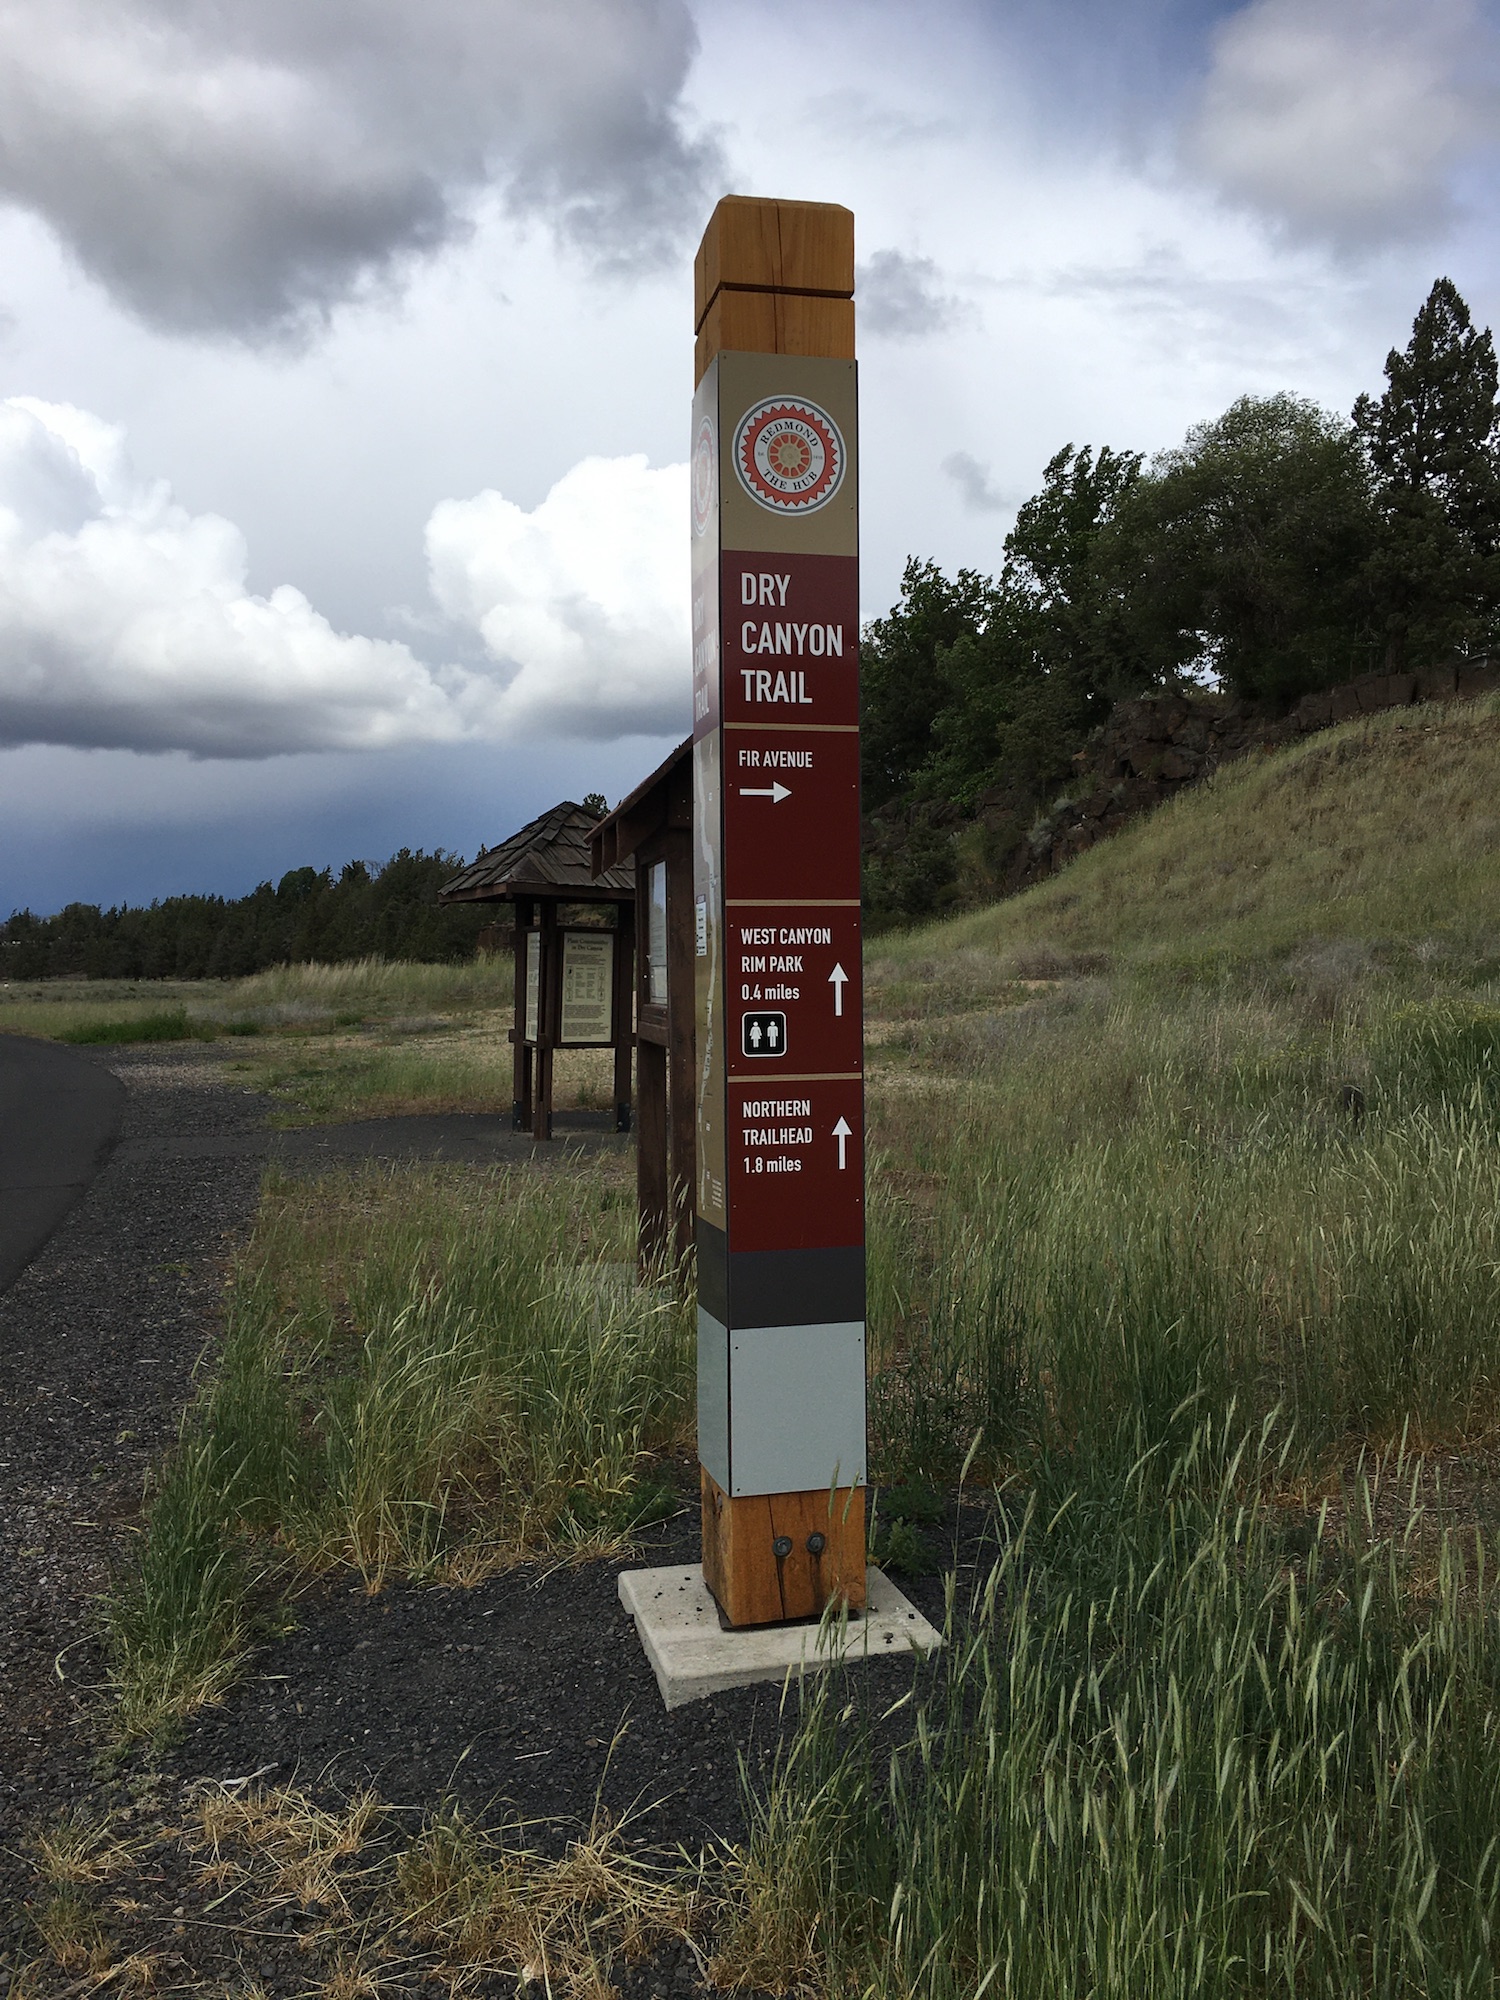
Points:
(898, 297)
(973, 481)
(240, 166)
(1348, 122)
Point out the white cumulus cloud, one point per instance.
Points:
(126, 622)
(586, 597)
(1344, 119)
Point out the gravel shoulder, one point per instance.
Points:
(99, 1338)
(524, 1700)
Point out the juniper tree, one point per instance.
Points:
(1433, 444)
(904, 683)
(1055, 653)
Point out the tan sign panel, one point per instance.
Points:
(758, 416)
(588, 972)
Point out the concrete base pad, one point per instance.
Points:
(692, 1655)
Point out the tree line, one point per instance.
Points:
(388, 911)
(1279, 549)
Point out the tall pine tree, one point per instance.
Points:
(1433, 442)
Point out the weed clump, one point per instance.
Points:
(294, 1893)
(426, 1374)
(171, 1024)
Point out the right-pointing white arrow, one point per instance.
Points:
(775, 792)
(836, 980)
(843, 1132)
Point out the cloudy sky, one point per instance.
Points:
(346, 350)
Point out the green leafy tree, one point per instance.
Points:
(1433, 444)
(1056, 651)
(976, 683)
(1241, 553)
(904, 685)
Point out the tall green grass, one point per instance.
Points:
(1171, 1749)
(424, 1373)
(1167, 1238)
(169, 1024)
(1122, 1204)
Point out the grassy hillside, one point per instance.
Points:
(1229, 1059)
(1385, 832)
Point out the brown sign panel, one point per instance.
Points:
(791, 639)
(777, 879)
(796, 1164)
(803, 964)
(791, 815)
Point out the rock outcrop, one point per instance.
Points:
(1151, 748)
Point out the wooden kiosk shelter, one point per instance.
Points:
(651, 832)
(573, 981)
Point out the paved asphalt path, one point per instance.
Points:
(60, 1115)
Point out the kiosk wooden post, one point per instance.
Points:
(624, 1011)
(652, 827)
(779, 1062)
(520, 1109)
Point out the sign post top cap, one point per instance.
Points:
(774, 246)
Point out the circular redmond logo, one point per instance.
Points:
(789, 455)
(703, 475)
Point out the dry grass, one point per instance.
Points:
(344, 1902)
(436, 1066)
(332, 1042)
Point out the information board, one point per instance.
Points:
(780, 1195)
(656, 942)
(588, 975)
(533, 983)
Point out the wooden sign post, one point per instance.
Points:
(778, 1012)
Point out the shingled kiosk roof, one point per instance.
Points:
(663, 799)
(550, 857)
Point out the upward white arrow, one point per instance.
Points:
(836, 980)
(775, 792)
(843, 1132)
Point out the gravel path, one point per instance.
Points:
(523, 1698)
(98, 1341)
